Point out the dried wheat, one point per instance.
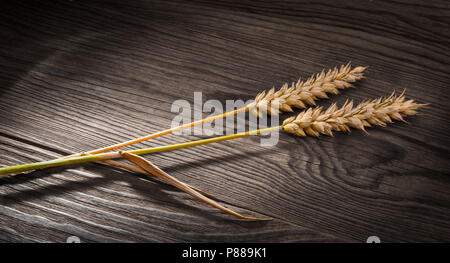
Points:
(300, 94)
(378, 112)
(306, 92)
(312, 122)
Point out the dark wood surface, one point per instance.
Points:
(78, 75)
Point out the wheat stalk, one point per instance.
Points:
(306, 92)
(312, 122)
(101, 157)
(377, 112)
(300, 94)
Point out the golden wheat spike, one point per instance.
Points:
(377, 112)
(306, 92)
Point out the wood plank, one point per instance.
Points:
(77, 76)
(107, 205)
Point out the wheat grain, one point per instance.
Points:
(306, 92)
(377, 112)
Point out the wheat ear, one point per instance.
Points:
(306, 92)
(377, 112)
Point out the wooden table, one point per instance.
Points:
(75, 76)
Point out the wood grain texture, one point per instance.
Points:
(78, 75)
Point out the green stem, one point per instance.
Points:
(161, 133)
(114, 155)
